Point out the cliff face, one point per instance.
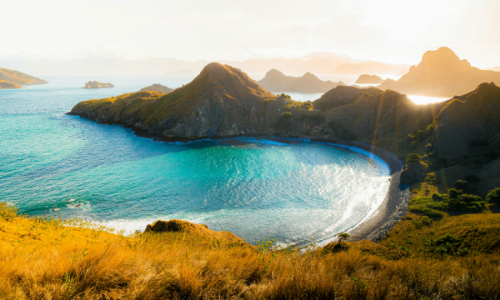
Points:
(9, 85)
(275, 81)
(220, 101)
(369, 79)
(157, 88)
(97, 85)
(441, 73)
(19, 78)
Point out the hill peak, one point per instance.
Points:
(442, 60)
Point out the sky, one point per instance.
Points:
(389, 31)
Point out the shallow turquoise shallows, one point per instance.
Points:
(293, 191)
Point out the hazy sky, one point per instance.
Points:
(397, 31)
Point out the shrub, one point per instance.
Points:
(462, 185)
(447, 244)
(457, 200)
(412, 158)
(494, 196)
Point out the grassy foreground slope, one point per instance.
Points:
(52, 259)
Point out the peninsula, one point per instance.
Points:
(97, 85)
(442, 74)
(11, 79)
(369, 79)
(275, 81)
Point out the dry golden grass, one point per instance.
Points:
(43, 259)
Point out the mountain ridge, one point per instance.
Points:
(441, 73)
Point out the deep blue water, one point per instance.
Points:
(54, 164)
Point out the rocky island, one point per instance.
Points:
(97, 85)
(275, 81)
(369, 79)
(11, 79)
(442, 74)
(157, 88)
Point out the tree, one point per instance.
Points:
(413, 157)
(494, 196)
(343, 236)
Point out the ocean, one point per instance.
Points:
(293, 191)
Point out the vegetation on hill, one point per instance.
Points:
(456, 257)
(19, 77)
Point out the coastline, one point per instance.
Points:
(396, 201)
(375, 225)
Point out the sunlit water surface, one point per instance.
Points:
(54, 164)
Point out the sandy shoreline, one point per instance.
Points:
(394, 206)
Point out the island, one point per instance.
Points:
(275, 81)
(11, 79)
(97, 85)
(157, 88)
(441, 74)
(441, 243)
(369, 79)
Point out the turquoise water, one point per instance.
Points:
(290, 190)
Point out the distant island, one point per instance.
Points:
(275, 81)
(442, 74)
(157, 88)
(369, 67)
(496, 69)
(11, 79)
(97, 85)
(369, 79)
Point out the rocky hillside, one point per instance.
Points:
(220, 101)
(157, 88)
(441, 73)
(275, 81)
(17, 78)
(97, 85)
(9, 85)
(369, 79)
